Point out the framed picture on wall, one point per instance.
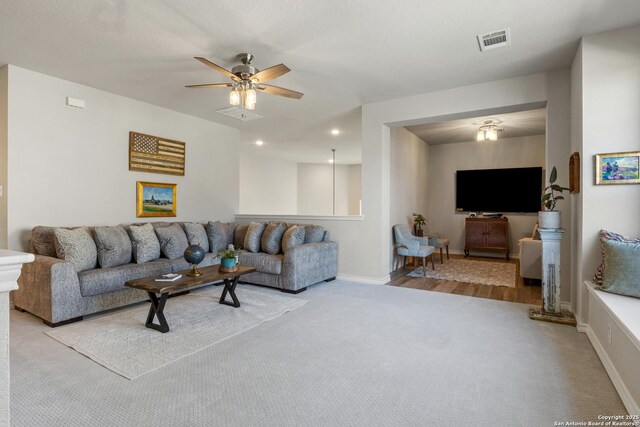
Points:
(154, 199)
(617, 168)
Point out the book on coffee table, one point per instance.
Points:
(171, 277)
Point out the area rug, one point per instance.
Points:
(469, 271)
(121, 342)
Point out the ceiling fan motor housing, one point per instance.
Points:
(244, 71)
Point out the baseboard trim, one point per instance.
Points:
(364, 279)
(630, 404)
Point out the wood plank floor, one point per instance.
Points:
(521, 293)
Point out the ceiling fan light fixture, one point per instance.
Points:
(234, 97)
(250, 95)
(480, 136)
(488, 131)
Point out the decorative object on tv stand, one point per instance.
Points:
(155, 199)
(550, 218)
(418, 222)
(246, 80)
(194, 255)
(488, 131)
(148, 153)
(618, 168)
(229, 259)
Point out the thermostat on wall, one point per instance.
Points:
(75, 102)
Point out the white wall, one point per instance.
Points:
(355, 189)
(268, 185)
(446, 159)
(609, 67)
(69, 166)
(409, 179)
(373, 236)
(315, 189)
(4, 86)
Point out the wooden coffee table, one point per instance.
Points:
(209, 275)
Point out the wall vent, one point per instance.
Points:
(494, 39)
(239, 113)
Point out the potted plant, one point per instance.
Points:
(228, 259)
(418, 223)
(550, 217)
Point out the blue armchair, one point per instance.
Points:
(407, 244)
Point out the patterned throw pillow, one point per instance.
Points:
(313, 233)
(604, 236)
(220, 235)
(196, 235)
(622, 268)
(173, 241)
(77, 247)
(238, 235)
(252, 238)
(43, 241)
(144, 243)
(114, 246)
(294, 236)
(272, 237)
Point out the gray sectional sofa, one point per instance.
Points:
(67, 281)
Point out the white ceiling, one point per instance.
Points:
(514, 125)
(342, 53)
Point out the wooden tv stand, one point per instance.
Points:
(486, 234)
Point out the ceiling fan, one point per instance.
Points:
(246, 79)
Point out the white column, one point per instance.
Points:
(551, 239)
(10, 266)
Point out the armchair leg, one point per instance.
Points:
(424, 266)
(433, 267)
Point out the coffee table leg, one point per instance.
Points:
(231, 288)
(156, 310)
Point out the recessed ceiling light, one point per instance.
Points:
(330, 160)
(259, 142)
(335, 131)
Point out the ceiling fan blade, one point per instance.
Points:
(218, 68)
(211, 85)
(275, 90)
(270, 73)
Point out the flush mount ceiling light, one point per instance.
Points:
(335, 131)
(488, 131)
(259, 142)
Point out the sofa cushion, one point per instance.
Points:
(253, 236)
(144, 243)
(196, 235)
(76, 246)
(292, 237)
(102, 280)
(605, 236)
(238, 235)
(43, 241)
(272, 238)
(173, 241)
(622, 268)
(264, 263)
(313, 233)
(220, 235)
(180, 264)
(114, 246)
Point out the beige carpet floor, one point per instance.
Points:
(470, 271)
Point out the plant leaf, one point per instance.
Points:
(546, 197)
(553, 176)
(556, 187)
(559, 197)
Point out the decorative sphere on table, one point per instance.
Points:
(194, 255)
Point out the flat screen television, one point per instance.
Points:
(499, 190)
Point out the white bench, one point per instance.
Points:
(612, 323)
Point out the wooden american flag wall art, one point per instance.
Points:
(148, 153)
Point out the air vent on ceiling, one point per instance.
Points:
(494, 39)
(239, 113)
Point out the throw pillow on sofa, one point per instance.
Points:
(238, 235)
(253, 236)
(144, 243)
(272, 237)
(313, 233)
(294, 236)
(173, 241)
(196, 235)
(622, 268)
(43, 241)
(220, 235)
(77, 247)
(605, 236)
(114, 246)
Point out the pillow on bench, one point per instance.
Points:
(606, 236)
(621, 268)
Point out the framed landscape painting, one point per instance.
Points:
(617, 168)
(155, 199)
